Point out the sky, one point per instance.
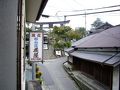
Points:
(56, 8)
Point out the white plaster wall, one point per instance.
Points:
(115, 85)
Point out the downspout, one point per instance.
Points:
(19, 45)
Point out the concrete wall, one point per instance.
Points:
(116, 79)
(8, 44)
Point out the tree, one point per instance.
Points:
(97, 23)
(81, 31)
(73, 35)
(59, 37)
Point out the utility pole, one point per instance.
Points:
(85, 21)
(64, 19)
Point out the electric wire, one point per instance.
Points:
(107, 11)
(113, 6)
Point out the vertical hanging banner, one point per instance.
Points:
(36, 45)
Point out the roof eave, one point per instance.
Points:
(44, 2)
(34, 9)
(79, 47)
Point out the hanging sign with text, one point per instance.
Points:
(36, 45)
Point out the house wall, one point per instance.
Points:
(76, 63)
(70, 58)
(8, 45)
(101, 73)
(115, 84)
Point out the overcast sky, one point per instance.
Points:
(57, 7)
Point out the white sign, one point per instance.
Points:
(58, 53)
(36, 39)
(45, 46)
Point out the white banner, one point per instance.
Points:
(36, 45)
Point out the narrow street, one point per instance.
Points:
(55, 77)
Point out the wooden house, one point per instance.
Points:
(98, 57)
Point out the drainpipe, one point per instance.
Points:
(19, 45)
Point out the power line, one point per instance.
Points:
(94, 12)
(107, 11)
(89, 10)
(104, 7)
(92, 9)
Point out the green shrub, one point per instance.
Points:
(38, 74)
(29, 62)
(39, 80)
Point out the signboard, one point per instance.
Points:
(36, 39)
(58, 53)
(45, 46)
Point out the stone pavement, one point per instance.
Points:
(48, 54)
(48, 83)
(55, 77)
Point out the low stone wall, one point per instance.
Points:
(82, 81)
(81, 85)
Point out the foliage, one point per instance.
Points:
(59, 44)
(27, 33)
(61, 31)
(68, 44)
(81, 31)
(60, 37)
(29, 62)
(38, 75)
(28, 29)
(37, 68)
(97, 23)
(39, 80)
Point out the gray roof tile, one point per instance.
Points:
(98, 58)
(107, 38)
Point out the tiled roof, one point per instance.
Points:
(107, 38)
(105, 26)
(112, 60)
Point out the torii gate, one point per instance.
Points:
(51, 23)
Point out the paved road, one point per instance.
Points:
(55, 76)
